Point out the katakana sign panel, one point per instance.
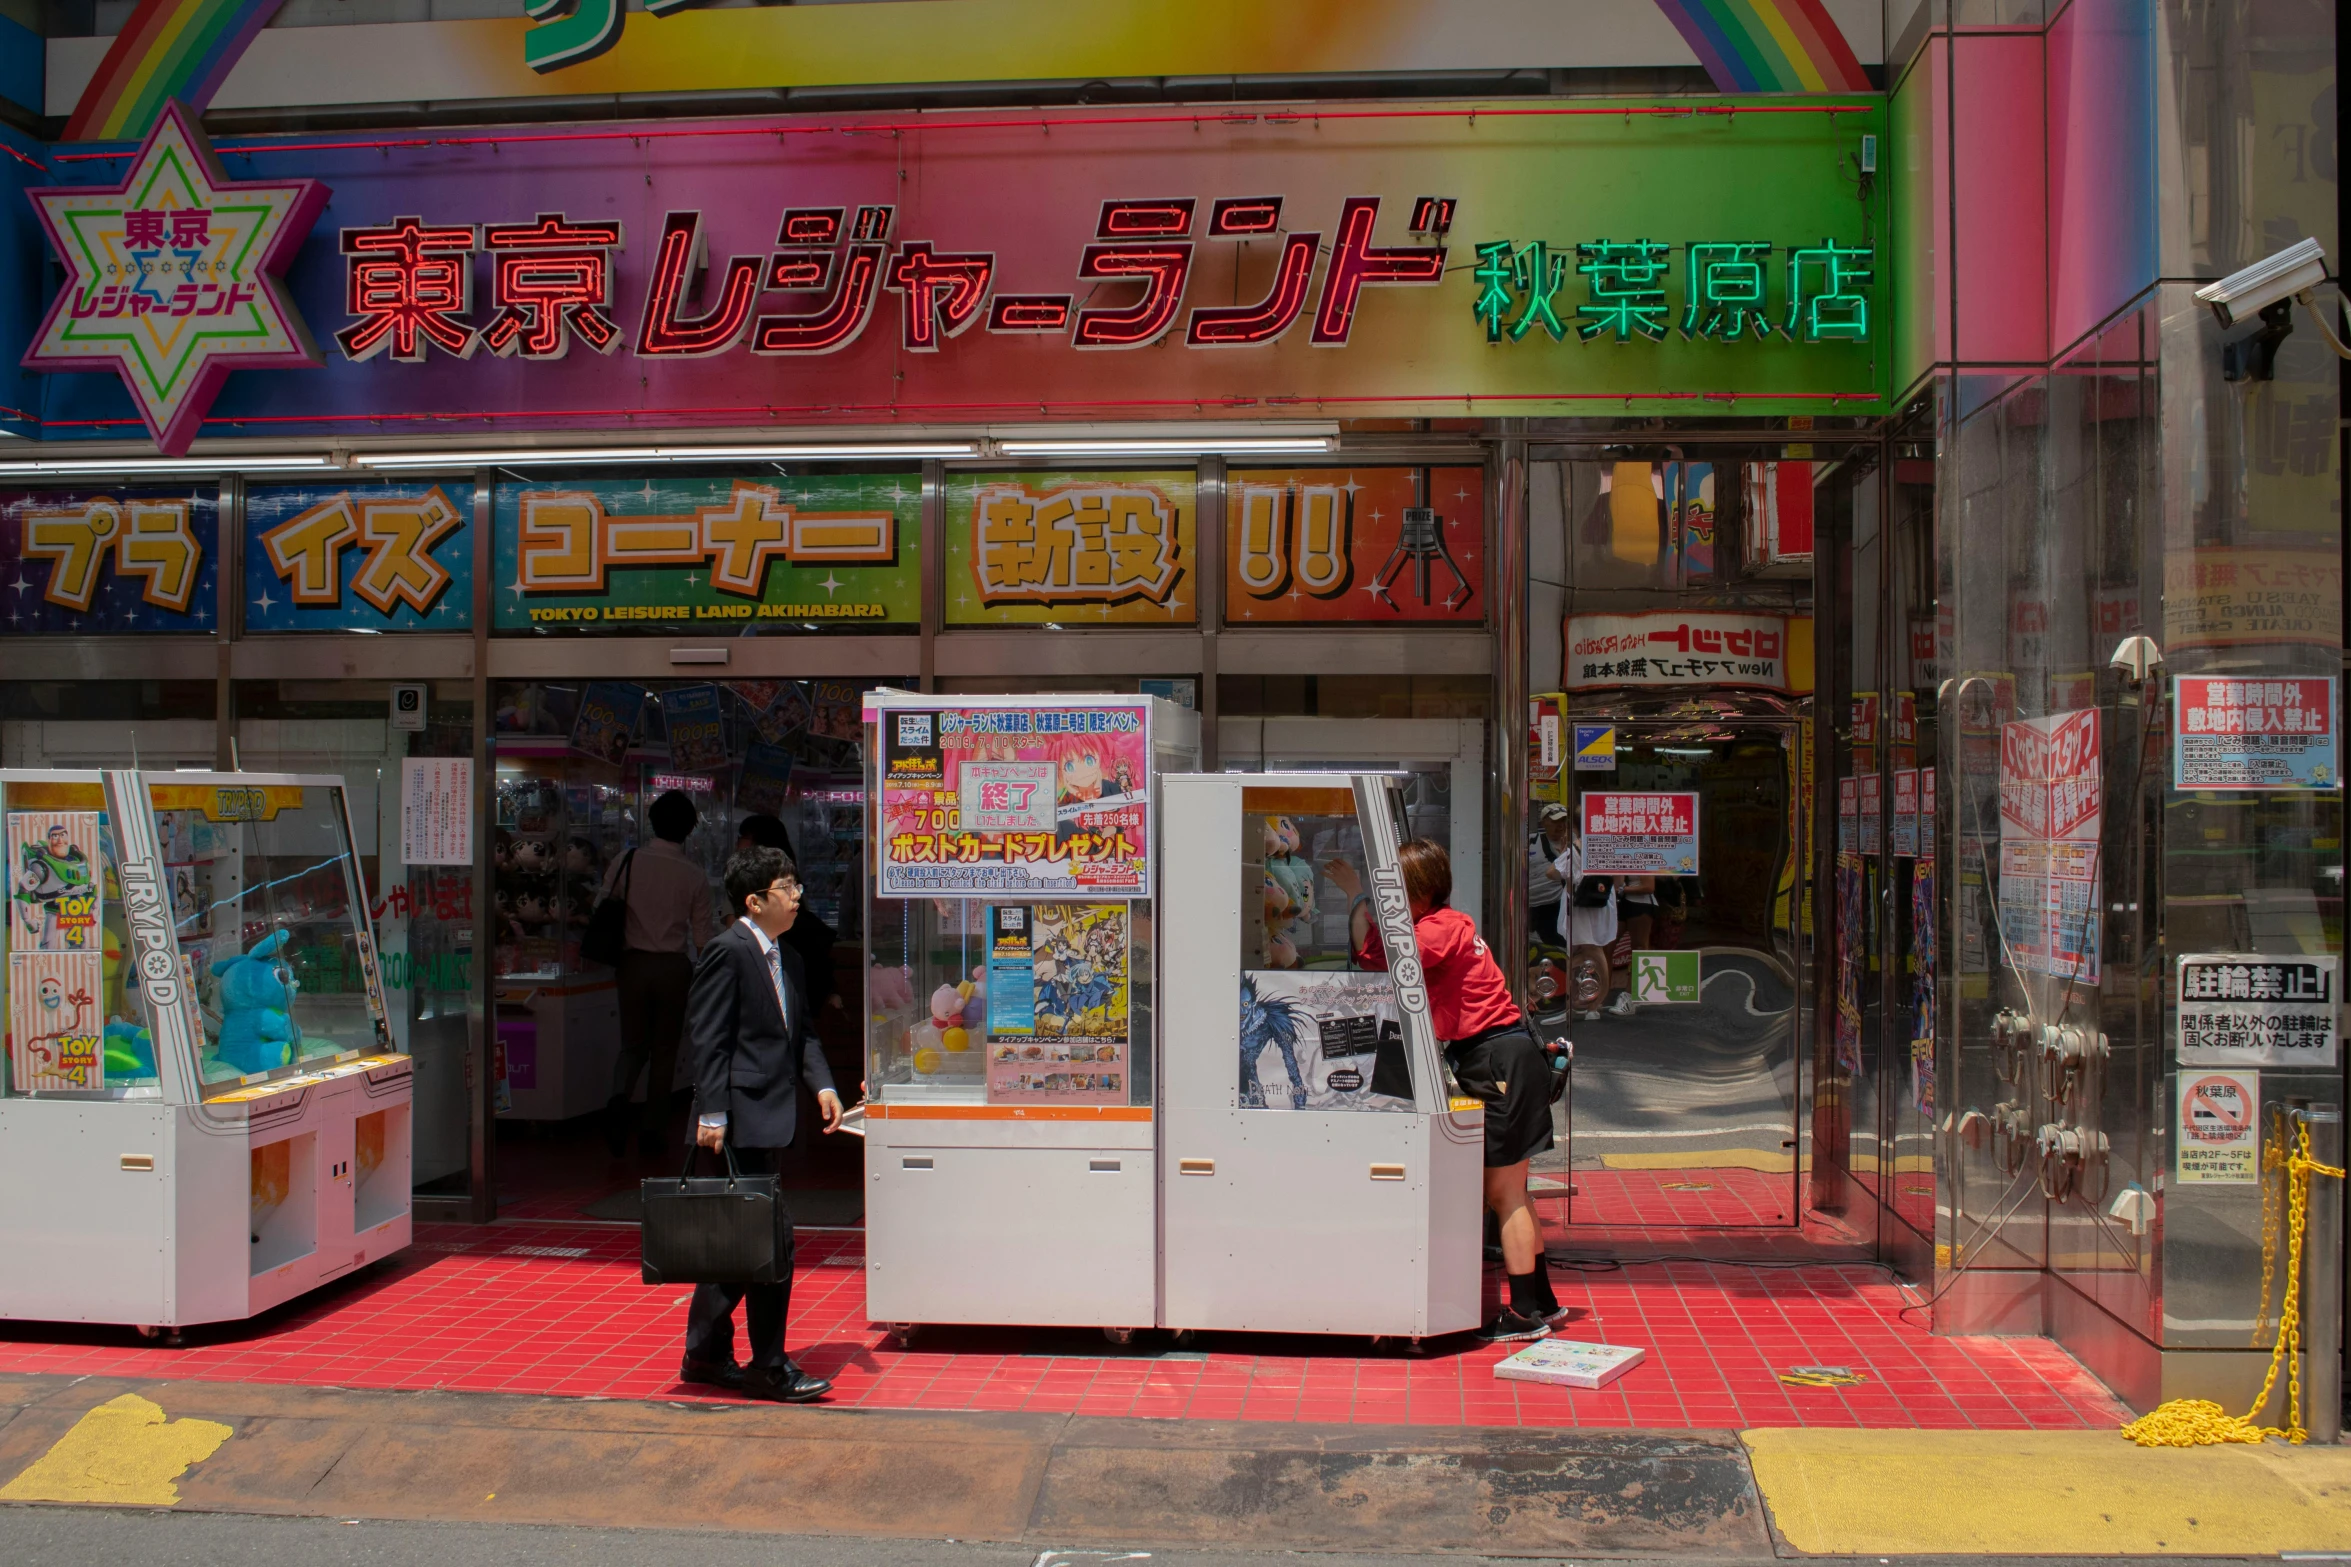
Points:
(710, 553)
(372, 557)
(1674, 649)
(1381, 546)
(78, 562)
(1093, 785)
(2258, 1009)
(1077, 549)
(173, 277)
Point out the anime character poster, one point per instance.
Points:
(53, 881)
(1058, 1003)
(1322, 1039)
(765, 780)
(57, 1020)
(697, 729)
(607, 721)
(1092, 836)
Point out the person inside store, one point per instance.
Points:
(750, 1052)
(668, 898)
(809, 936)
(1494, 1057)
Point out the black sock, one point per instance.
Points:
(1550, 1300)
(1526, 1293)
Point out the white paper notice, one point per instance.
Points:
(436, 810)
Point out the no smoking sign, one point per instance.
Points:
(2219, 1139)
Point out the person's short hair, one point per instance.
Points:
(1428, 872)
(673, 816)
(754, 871)
(765, 832)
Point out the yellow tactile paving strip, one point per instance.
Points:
(2046, 1493)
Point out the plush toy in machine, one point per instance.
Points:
(130, 1050)
(1288, 892)
(257, 1028)
(942, 1044)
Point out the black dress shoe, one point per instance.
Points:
(711, 1373)
(788, 1385)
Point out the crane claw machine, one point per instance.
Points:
(202, 1114)
(1319, 1173)
(1012, 1004)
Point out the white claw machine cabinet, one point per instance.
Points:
(1012, 1005)
(1319, 1174)
(202, 1114)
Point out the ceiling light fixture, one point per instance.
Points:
(136, 467)
(864, 451)
(1197, 446)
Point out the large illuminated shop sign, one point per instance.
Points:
(175, 276)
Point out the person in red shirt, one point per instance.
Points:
(1493, 1057)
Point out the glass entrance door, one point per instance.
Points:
(1686, 1110)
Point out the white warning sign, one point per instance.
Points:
(2257, 1009)
(2219, 1141)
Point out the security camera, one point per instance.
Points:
(2266, 291)
(2272, 281)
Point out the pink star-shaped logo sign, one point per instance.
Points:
(174, 277)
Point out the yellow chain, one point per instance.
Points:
(2274, 1161)
(2198, 1422)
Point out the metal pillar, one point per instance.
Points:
(2322, 1280)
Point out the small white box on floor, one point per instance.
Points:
(1567, 1363)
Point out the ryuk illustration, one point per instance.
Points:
(1268, 1020)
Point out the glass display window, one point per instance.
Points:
(1017, 1002)
(1320, 1028)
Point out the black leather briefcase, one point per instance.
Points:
(719, 1229)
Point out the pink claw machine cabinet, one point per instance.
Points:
(201, 1115)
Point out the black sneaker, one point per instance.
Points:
(1508, 1327)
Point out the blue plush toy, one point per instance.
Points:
(257, 1031)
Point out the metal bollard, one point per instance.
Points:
(2322, 1281)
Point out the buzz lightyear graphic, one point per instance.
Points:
(55, 896)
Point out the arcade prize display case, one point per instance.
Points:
(1012, 1002)
(197, 1049)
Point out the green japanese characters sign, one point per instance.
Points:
(716, 554)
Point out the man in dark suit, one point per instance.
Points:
(747, 1027)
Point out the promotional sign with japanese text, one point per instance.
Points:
(436, 810)
(80, 562)
(1373, 545)
(981, 269)
(1640, 834)
(2258, 1009)
(1099, 752)
(1674, 649)
(2254, 734)
(1058, 1033)
(372, 557)
(2052, 807)
(2219, 1134)
(1078, 549)
(696, 720)
(709, 554)
(2228, 597)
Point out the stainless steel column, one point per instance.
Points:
(1506, 857)
(2322, 1281)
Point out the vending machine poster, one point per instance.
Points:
(1314, 1039)
(1640, 834)
(1099, 753)
(56, 1021)
(697, 729)
(2258, 1010)
(2254, 734)
(1074, 1048)
(53, 887)
(607, 723)
(2219, 1141)
(1905, 813)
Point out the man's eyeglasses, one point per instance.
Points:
(782, 889)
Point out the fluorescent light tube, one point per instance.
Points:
(604, 454)
(1191, 447)
(133, 467)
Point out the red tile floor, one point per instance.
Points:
(557, 1308)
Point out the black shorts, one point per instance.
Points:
(1510, 1072)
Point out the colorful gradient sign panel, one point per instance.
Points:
(1506, 261)
(1374, 546)
(1072, 549)
(365, 557)
(75, 562)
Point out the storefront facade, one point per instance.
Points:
(1813, 458)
